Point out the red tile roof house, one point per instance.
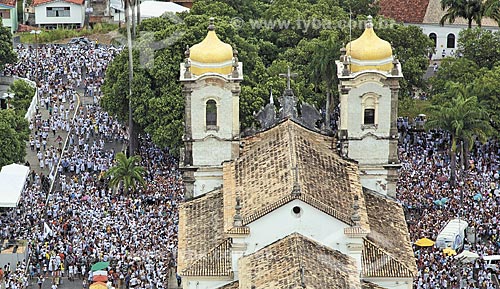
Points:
(8, 12)
(59, 13)
(426, 14)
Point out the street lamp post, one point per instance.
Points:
(36, 32)
(6, 96)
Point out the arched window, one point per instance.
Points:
(433, 36)
(369, 111)
(450, 41)
(369, 117)
(211, 113)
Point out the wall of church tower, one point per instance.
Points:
(368, 130)
(211, 133)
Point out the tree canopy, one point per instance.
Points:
(7, 54)
(126, 172)
(269, 36)
(15, 133)
(24, 93)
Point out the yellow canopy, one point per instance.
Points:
(424, 242)
(449, 252)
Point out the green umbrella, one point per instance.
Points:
(99, 266)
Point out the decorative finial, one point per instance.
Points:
(238, 220)
(271, 99)
(211, 27)
(369, 23)
(235, 73)
(187, 52)
(395, 69)
(355, 211)
(345, 71)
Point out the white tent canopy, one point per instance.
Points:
(12, 181)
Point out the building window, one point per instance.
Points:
(5, 13)
(58, 11)
(369, 117)
(450, 41)
(433, 36)
(211, 113)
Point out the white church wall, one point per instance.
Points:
(442, 33)
(206, 180)
(223, 97)
(393, 283)
(203, 284)
(211, 151)
(355, 109)
(310, 222)
(369, 150)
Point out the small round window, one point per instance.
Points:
(297, 211)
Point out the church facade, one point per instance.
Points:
(284, 208)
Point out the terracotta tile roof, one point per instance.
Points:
(295, 261)
(378, 263)
(408, 11)
(420, 11)
(11, 3)
(217, 262)
(388, 231)
(265, 175)
(41, 2)
(200, 228)
(232, 285)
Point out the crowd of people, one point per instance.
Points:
(84, 220)
(424, 180)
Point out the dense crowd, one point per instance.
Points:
(424, 179)
(84, 220)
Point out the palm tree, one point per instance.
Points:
(472, 10)
(126, 172)
(324, 69)
(464, 119)
(492, 10)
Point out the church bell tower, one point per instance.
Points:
(210, 77)
(369, 86)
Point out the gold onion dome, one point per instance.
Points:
(211, 55)
(369, 52)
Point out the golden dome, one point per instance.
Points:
(369, 51)
(211, 55)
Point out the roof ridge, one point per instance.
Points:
(221, 267)
(409, 272)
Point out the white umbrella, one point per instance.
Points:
(467, 256)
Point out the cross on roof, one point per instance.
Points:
(288, 75)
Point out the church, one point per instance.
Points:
(291, 206)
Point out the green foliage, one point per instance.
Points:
(460, 70)
(265, 52)
(463, 118)
(15, 132)
(24, 93)
(126, 172)
(472, 10)
(480, 45)
(7, 54)
(411, 108)
(48, 36)
(412, 48)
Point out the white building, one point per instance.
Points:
(149, 9)
(8, 12)
(427, 15)
(59, 13)
(282, 208)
